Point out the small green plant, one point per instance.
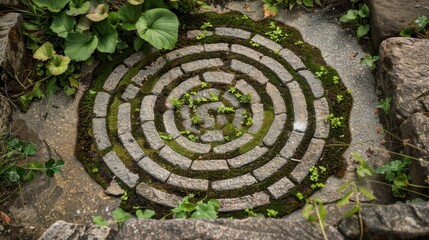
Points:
(322, 72)
(120, 216)
(335, 80)
(232, 90)
(275, 34)
(314, 172)
(360, 18)
(192, 137)
(124, 197)
(251, 213)
(370, 61)
(177, 103)
(245, 98)
(315, 211)
(363, 169)
(396, 173)
(166, 136)
(196, 119)
(213, 97)
(349, 91)
(299, 195)
(254, 44)
(271, 6)
(272, 213)
(317, 185)
(204, 85)
(224, 109)
(249, 121)
(206, 25)
(202, 35)
(188, 208)
(420, 25)
(299, 43)
(385, 105)
(340, 98)
(335, 122)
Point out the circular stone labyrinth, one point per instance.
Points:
(220, 118)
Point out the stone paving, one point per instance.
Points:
(215, 122)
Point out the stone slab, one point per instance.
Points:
(206, 93)
(201, 64)
(311, 156)
(246, 88)
(258, 117)
(268, 43)
(169, 124)
(185, 51)
(101, 104)
(247, 158)
(321, 108)
(166, 79)
(209, 165)
(280, 188)
(234, 144)
(299, 107)
(234, 183)
(118, 168)
(188, 183)
(185, 112)
(250, 201)
(218, 77)
(212, 136)
(238, 120)
(275, 130)
(278, 69)
(193, 34)
(114, 78)
(291, 145)
(152, 136)
(291, 58)
(101, 137)
(193, 146)
(229, 97)
(276, 97)
(153, 169)
(134, 59)
(232, 32)
(147, 108)
(314, 83)
(216, 47)
(130, 92)
(181, 89)
(204, 112)
(155, 195)
(131, 145)
(248, 52)
(124, 118)
(269, 168)
(249, 70)
(175, 158)
(149, 70)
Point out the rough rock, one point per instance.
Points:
(5, 112)
(114, 189)
(404, 75)
(12, 44)
(11, 3)
(397, 221)
(389, 18)
(71, 231)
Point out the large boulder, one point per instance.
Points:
(390, 17)
(71, 231)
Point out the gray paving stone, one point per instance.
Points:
(203, 112)
(221, 120)
(188, 183)
(258, 117)
(101, 104)
(293, 60)
(234, 183)
(100, 133)
(201, 64)
(134, 59)
(247, 157)
(175, 158)
(147, 108)
(248, 52)
(170, 124)
(206, 93)
(185, 51)
(114, 78)
(269, 168)
(278, 69)
(229, 97)
(249, 70)
(149, 70)
(309, 159)
(132, 147)
(232, 32)
(166, 79)
(280, 187)
(291, 145)
(155, 195)
(315, 83)
(216, 47)
(275, 130)
(151, 135)
(193, 146)
(249, 201)
(276, 97)
(299, 107)
(185, 112)
(118, 168)
(181, 89)
(218, 77)
(194, 33)
(238, 120)
(209, 165)
(234, 144)
(130, 92)
(124, 118)
(212, 136)
(321, 108)
(268, 43)
(153, 169)
(246, 88)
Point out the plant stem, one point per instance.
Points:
(359, 212)
(322, 226)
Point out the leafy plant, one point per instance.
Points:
(245, 98)
(188, 208)
(363, 169)
(120, 216)
(166, 136)
(299, 195)
(315, 211)
(251, 213)
(275, 34)
(335, 122)
(271, 6)
(196, 119)
(254, 44)
(224, 109)
(340, 98)
(335, 80)
(396, 173)
(360, 18)
(177, 103)
(272, 213)
(370, 61)
(385, 105)
(322, 72)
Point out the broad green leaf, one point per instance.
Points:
(69, 91)
(120, 215)
(362, 30)
(52, 5)
(30, 27)
(364, 11)
(29, 149)
(80, 45)
(51, 86)
(152, 4)
(138, 43)
(35, 165)
(53, 166)
(147, 214)
(73, 82)
(44, 52)
(306, 211)
(204, 211)
(58, 64)
(421, 23)
(99, 13)
(159, 27)
(100, 221)
(344, 200)
(84, 23)
(136, 2)
(29, 176)
(215, 203)
(188, 207)
(107, 36)
(13, 176)
(354, 210)
(62, 24)
(113, 18)
(180, 215)
(308, 3)
(365, 192)
(78, 7)
(406, 33)
(351, 15)
(401, 180)
(129, 15)
(37, 91)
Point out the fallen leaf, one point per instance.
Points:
(4, 217)
(353, 56)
